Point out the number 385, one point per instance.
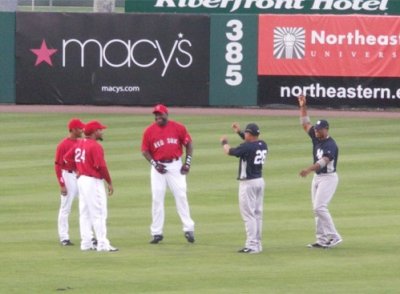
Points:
(234, 55)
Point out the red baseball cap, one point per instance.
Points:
(160, 108)
(75, 123)
(93, 126)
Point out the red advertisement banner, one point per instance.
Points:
(329, 45)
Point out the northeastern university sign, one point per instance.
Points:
(266, 6)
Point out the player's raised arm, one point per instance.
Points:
(225, 144)
(304, 118)
(236, 129)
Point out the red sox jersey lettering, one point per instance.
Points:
(158, 144)
(161, 143)
(165, 142)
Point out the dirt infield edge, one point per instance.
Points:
(11, 108)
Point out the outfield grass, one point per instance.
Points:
(365, 209)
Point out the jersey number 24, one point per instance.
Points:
(80, 155)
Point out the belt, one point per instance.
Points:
(168, 160)
(69, 171)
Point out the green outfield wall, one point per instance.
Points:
(204, 59)
(7, 57)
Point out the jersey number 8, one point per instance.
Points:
(260, 157)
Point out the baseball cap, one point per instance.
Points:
(160, 108)
(75, 123)
(252, 129)
(321, 124)
(93, 126)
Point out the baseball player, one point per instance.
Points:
(162, 146)
(325, 181)
(88, 156)
(252, 153)
(66, 177)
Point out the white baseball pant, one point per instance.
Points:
(66, 204)
(92, 212)
(177, 184)
(251, 202)
(323, 188)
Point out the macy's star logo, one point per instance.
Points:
(43, 54)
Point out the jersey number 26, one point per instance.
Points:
(260, 157)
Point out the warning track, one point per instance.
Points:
(197, 111)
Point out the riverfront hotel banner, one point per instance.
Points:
(120, 59)
(386, 7)
(338, 60)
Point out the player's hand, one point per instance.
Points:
(236, 127)
(223, 139)
(64, 191)
(302, 100)
(304, 173)
(185, 169)
(110, 190)
(161, 168)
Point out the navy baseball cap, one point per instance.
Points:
(252, 129)
(321, 124)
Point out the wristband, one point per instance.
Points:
(153, 163)
(304, 120)
(224, 142)
(188, 160)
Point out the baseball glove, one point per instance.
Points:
(161, 168)
(185, 169)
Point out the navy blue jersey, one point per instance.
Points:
(324, 148)
(252, 157)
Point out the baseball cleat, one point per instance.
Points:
(66, 243)
(189, 237)
(156, 239)
(113, 249)
(334, 242)
(248, 251)
(90, 248)
(317, 245)
(108, 249)
(94, 242)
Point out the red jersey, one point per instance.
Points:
(88, 156)
(59, 164)
(165, 142)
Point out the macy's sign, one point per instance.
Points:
(178, 54)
